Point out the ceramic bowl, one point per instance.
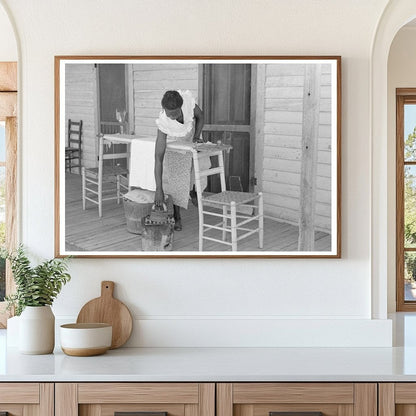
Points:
(83, 340)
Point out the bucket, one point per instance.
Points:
(137, 205)
(134, 213)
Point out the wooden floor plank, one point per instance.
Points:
(85, 231)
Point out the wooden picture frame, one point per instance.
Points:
(272, 127)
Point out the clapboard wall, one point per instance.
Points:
(281, 152)
(80, 104)
(150, 81)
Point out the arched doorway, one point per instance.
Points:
(396, 15)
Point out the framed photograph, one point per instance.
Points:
(191, 156)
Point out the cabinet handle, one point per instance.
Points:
(138, 414)
(295, 413)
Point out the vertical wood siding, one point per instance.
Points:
(283, 108)
(150, 81)
(80, 104)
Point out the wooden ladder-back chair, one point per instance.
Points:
(234, 209)
(98, 183)
(73, 145)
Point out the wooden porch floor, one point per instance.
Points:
(85, 231)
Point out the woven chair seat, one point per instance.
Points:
(226, 197)
(107, 171)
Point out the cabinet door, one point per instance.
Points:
(142, 399)
(297, 399)
(397, 399)
(26, 399)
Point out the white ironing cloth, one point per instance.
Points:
(142, 160)
(142, 163)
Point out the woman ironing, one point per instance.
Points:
(181, 119)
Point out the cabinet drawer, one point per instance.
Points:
(146, 399)
(138, 393)
(296, 399)
(19, 393)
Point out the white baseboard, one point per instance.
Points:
(189, 332)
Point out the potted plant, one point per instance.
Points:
(36, 289)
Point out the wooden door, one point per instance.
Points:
(297, 399)
(112, 97)
(226, 92)
(113, 106)
(153, 399)
(27, 399)
(397, 399)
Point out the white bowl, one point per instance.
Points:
(83, 340)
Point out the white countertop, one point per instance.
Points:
(222, 364)
(215, 364)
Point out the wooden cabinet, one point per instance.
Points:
(397, 399)
(105, 399)
(262, 399)
(208, 399)
(27, 399)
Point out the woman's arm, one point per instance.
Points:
(160, 149)
(199, 122)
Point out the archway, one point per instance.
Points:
(396, 15)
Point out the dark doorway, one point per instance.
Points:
(227, 110)
(113, 105)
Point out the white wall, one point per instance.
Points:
(8, 46)
(211, 302)
(401, 74)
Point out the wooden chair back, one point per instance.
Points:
(74, 134)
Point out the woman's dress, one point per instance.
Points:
(177, 176)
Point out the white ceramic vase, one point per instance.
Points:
(12, 334)
(37, 330)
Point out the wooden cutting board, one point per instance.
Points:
(107, 309)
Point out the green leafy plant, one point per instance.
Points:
(35, 285)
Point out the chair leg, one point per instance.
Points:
(100, 197)
(201, 225)
(261, 220)
(199, 197)
(83, 187)
(118, 188)
(233, 227)
(224, 223)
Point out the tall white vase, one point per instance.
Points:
(37, 330)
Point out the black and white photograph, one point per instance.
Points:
(198, 156)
